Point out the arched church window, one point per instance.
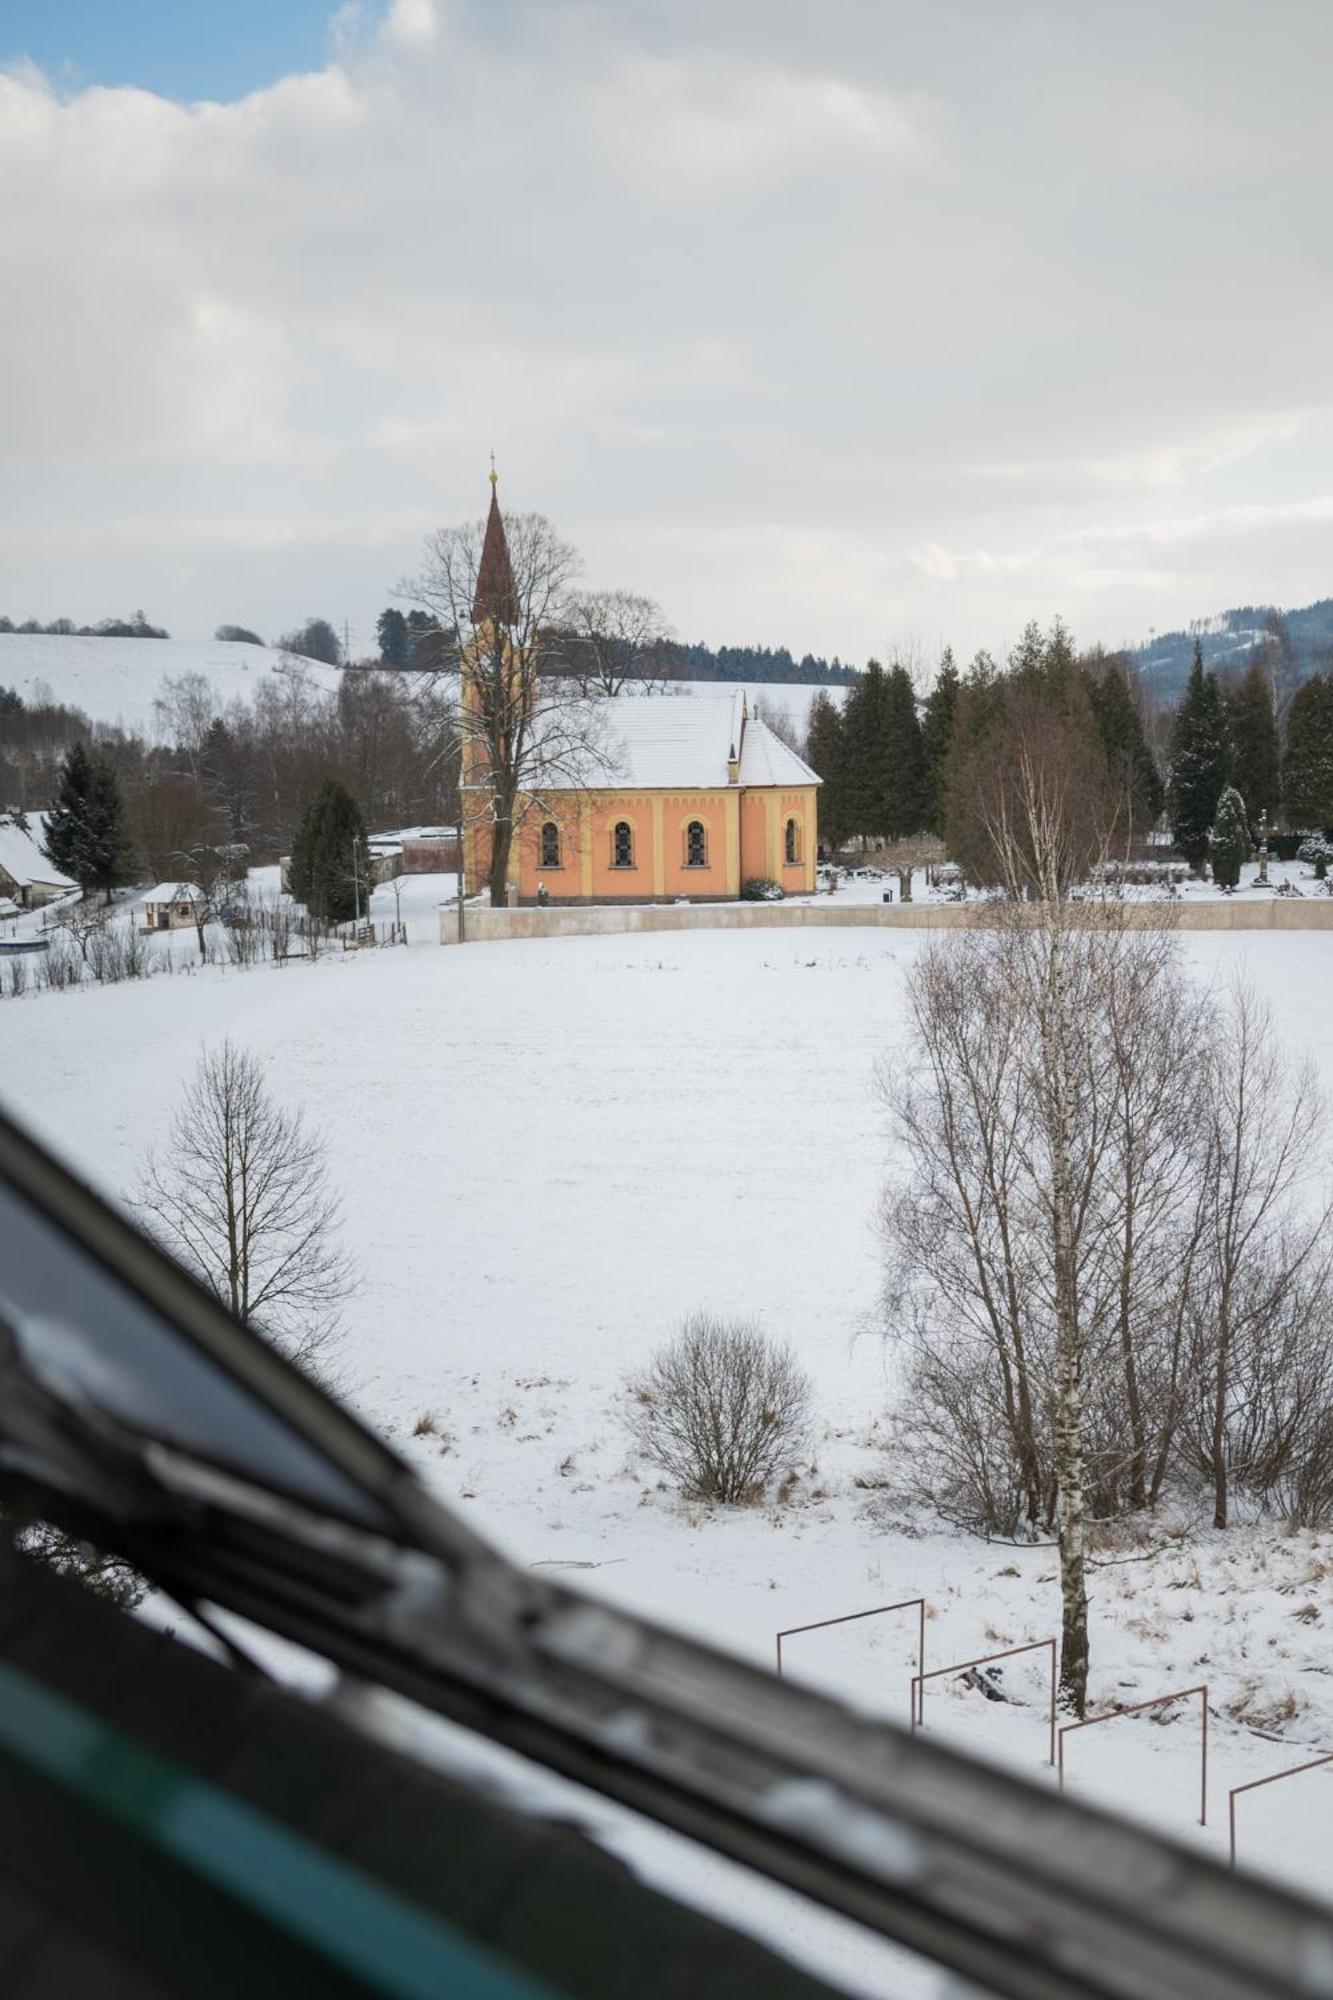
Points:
(550, 845)
(622, 845)
(696, 845)
(793, 841)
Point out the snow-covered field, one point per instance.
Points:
(548, 1153)
(119, 680)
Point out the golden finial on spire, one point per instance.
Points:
(494, 474)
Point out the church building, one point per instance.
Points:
(640, 798)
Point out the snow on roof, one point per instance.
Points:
(766, 760)
(174, 892)
(22, 859)
(658, 741)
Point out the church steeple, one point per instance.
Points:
(495, 598)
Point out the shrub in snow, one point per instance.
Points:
(719, 1408)
(759, 889)
(1229, 839)
(1317, 851)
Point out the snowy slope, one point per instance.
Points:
(117, 680)
(550, 1151)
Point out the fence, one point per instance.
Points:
(917, 1604)
(1137, 1708)
(1256, 1784)
(987, 1659)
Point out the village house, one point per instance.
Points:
(172, 906)
(26, 876)
(668, 798)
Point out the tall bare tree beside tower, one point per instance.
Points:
(505, 586)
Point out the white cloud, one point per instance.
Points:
(816, 323)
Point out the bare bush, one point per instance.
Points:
(240, 1196)
(720, 1408)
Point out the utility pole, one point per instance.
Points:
(347, 644)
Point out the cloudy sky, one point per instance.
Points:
(842, 325)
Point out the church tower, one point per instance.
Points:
(493, 691)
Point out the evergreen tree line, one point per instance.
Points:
(892, 762)
(416, 640)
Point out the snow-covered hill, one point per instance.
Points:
(118, 680)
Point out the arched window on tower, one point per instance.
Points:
(550, 845)
(696, 845)
(793, 842)
(622, 845)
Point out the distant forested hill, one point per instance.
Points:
(753, 663)
(1297, 643)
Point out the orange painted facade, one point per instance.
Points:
(648, 845)
(635, 842)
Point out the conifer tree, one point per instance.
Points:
(1229, 839)
(825, 750)
(936, 736)
(902, 760)
(391, 633)
(85, 836)
(1129, 761)
(1200, 761)
(1256, 767)
(1307, 772)
(330, 869)
(863, 737)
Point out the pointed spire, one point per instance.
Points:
(495, 597)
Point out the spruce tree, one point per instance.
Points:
(936, 736)
(1129, 761)
(902, 759)
(863, 734)
(1229, 839)
(1256, 769)
(825, 750)
(330, 860)
(85, 835)
(1200, 761)
(1307, 771)
(391, 632)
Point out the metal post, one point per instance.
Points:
(1257, 1784)
(1138, 1708)
(852, 1617)
(918, 1685)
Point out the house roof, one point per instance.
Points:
(766, 759)
(22, 859)
(174, 892)
(652, 742)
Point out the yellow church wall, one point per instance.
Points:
(744, 836)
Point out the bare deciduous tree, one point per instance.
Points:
(616, 642)
(530, 737)
(720, 1409)
(1263, 1124)
(240, 1196)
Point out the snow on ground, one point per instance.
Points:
(872, 884)
(549, 1152)
(118, 680)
